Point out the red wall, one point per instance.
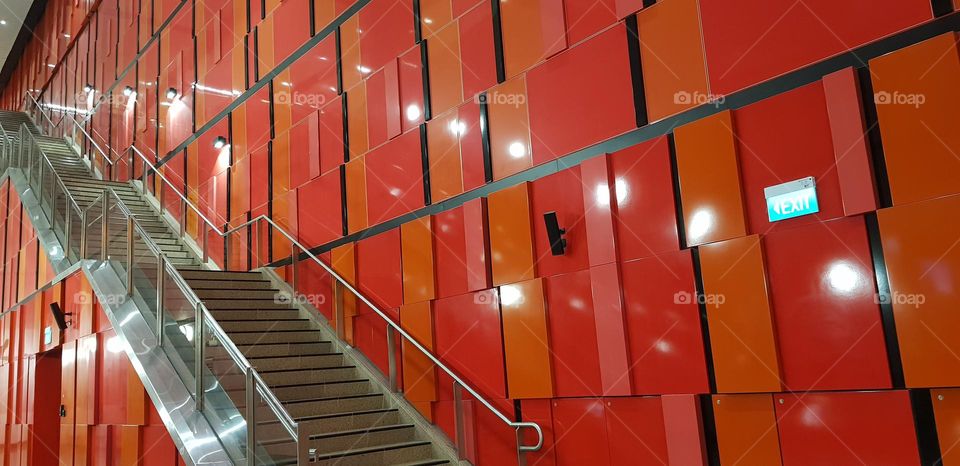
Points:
(788, 358)
(107, 418)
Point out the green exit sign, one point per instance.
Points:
(792, 199)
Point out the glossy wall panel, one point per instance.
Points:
(847, 428)
(437, 145)
(740, 317)
(900, 80)
(827, 319)
(709, 177)
(920, 259)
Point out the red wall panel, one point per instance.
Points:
(591, 81)
(754, 44)
(827, 320)
(663, 325)
(847, 428)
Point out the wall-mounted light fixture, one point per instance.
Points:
(88, 88)
(128, 91)
(172, 93)
(219, 142)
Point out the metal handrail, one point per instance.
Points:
(110, 162)
(183, 198)
(56, 175)
(393, 325)
(203, 315)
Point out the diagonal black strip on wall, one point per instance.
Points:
(23, 38)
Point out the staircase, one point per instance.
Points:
(350, 416)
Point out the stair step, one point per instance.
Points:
(321, 390)
(198, 285)
(219, 275)
(298, 362)
(362, 438)
(253, 338)
(430, 462)
(251, 314)
(264, 325)
(244, 303)
(285, 349)
(238, 293)
(331, 374)
(348, 421)
(346, 404)
(379, 455)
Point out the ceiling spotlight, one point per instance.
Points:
(88, 88)
(66, 35)
(172, 93)
(219, 142)
(51, 65)
(3, 22)
(128, 91)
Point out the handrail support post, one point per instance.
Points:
(130, 259)
(105, 223)
(199, 356)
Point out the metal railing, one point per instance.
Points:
(109, 216)
(298, 253)
(254, 385)
(73, 132)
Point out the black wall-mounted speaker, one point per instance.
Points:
(59, 316)
(558, 245)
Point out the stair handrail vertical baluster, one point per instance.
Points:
(131, 233)
(251, 418)
(161, 274)
(199, 356)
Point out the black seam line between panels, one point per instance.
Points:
(300, 52)
(793, 80)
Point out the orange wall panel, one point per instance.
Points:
(356, 189)
(532, 31)
(709, 180)
(742, 334)
(446, 81)
(525, 340)
(918, 246)
(510, 146)
(419, 373)
(674, 72)
(946, 410)
(443, 150)
(746, 429)
(511, 235)
(916, 95)
(416, 238)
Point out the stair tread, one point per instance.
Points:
(343, 433)
(430, 462)
(312, 384)
(333, 398)
(371, 449)
(330, 368)
(336, 415)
